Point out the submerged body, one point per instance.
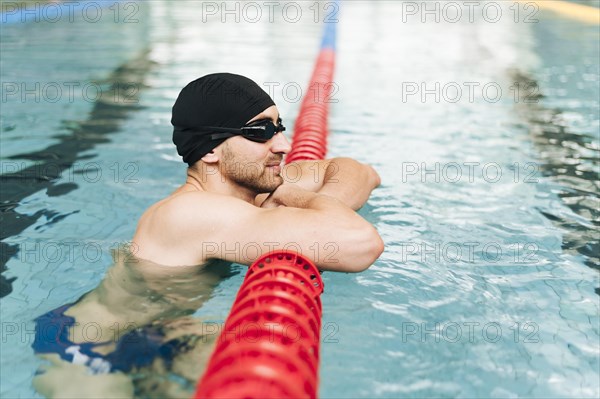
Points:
(124, 337)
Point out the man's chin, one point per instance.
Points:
(272, 182)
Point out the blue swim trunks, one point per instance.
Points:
(135, 349)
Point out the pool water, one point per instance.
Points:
(485, 136)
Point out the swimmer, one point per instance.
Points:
(239, 201)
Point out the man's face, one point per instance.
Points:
(252, 165)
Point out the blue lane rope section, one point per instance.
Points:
(331, 22)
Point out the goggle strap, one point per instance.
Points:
(218, 136)
(220, 129)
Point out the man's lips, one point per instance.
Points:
(275, 166)
(278, 163)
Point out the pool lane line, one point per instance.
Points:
(309, 140)
(579, 12)
(105, 118)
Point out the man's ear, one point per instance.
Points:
(210, 158)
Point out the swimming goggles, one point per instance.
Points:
(261, 130)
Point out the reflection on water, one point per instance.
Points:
(564, 126)
(35, 156)
(131, 335)
(572, 160)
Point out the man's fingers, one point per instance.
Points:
(270, 203)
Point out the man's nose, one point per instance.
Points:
(280, 144)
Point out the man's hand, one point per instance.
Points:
(349, 181)
(271, 202)
(288, 195)
(344, 179)
(274, 199)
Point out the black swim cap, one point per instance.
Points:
(219, 99)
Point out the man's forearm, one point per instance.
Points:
(349, 181)
(329, 222)
(299, 198)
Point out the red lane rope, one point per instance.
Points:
(269, 346)
(309, 141)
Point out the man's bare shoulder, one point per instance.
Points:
(170, 230)
(194, 206)
(189, 198)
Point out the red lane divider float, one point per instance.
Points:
(269, 346)
(310, 130)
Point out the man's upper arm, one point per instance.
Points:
(227, 228)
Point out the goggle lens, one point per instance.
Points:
(261, 130)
